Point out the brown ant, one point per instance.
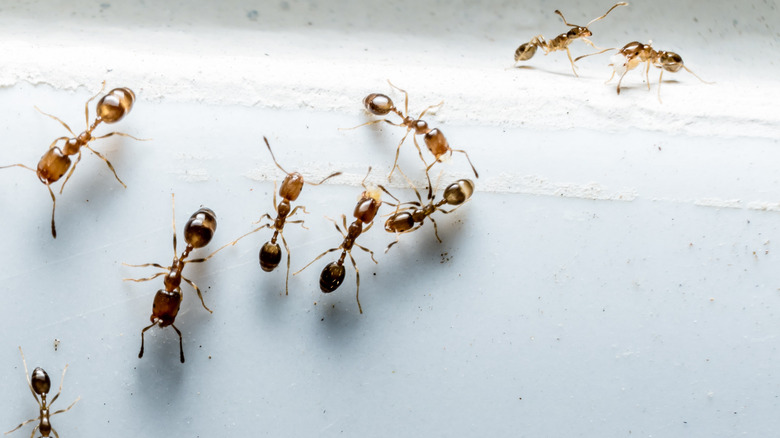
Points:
(333, 274)
(634, 53)
(40, 385)
(561, 42)
(111, 108)
(271, 252)
(198, 232)
(380, 105)
(412, 217)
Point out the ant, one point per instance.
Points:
(380, 105)
(198, 232)
(111, 108)
(271, 252)
(634, 53)
(333, 274)
(40, 385)
(412, 217)
(561, 42)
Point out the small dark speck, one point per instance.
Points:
(310, 23)
(252, 15)
(323, 319)
(209, 356)
(105, 5)
(374, 274)
(285, 6)
(695, 20)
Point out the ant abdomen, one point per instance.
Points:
(40, 381)
(378, 104)
(399, 222)
(525, 52)
(200, 228)
(115, 105)
(671, 61)
(458, 192)
(52, 165)
(332, 276)
(270, 256)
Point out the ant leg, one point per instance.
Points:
(610, 77)
(57, 119)
(318, 257)
(56, 435)
(430, 108)
(139, 280)
(123, 135)
(417, 193)
(357, 279)
(647, 77)
(590, 43)
(372, 122)
(469, 159)
(26, 422)
(72, 168)
(573, 67)
(371, 224)
(173, 222)
(397, 237)
(620, 80)
(406, 100)
(53, 207)
(66, 409)
(398, 152)
(29, 384)
(181, 346)
(110, 166)
(141, 353)
(194, 286)
(229, 244)
(591, 54)
(268, 145)
(263, 217)
(62, 380)
(610, 10)
(287, 278)
(156, 265)
(435, 229)
(299, 222)
(659, 84)
(368, 251)
(86, 105)
(344, 218)
(32, 435)
(564, 20)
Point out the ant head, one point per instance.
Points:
(115, 105)
(368, 205)
(578, 32)
(671, 61)
(459, 192)
(200, 228)
(525, 52)
(270, 256)
(291, 186)
(378, 104)
(331, 277)
(52, 165)
(40, 381)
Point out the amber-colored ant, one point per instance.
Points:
(271, 252)
(380, 105)
(412, 217)
(111, 108)
(561, 42)
(198, 232)
(634, 53)
(333, 274)
(40, 385)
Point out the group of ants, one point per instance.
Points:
(200, 228)
(626, 59)
(407, 217)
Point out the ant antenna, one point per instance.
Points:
(274, 158)
(610, 10)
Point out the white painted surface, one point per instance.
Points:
(613, 275)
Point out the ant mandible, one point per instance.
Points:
(111, 108)
(333, 274)
(412, 217)
(561, 42)
(381, 105)
(634, 53)
(40, 385)
(198, 232)
(271, 252)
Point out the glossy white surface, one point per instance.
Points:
(613, 275)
